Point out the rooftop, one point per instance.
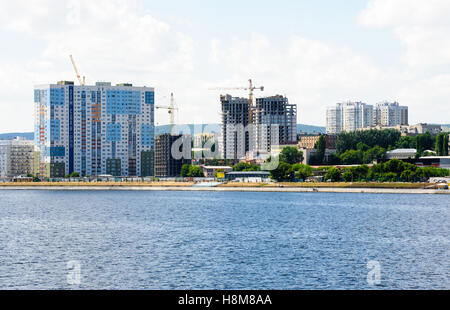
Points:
(435, 157)
(217, 167)
(248, 173)
(402, 151)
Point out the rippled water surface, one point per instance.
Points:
(213, 240)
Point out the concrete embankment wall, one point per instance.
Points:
(231, 189)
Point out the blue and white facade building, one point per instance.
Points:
(94, 130)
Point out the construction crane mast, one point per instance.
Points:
(171, 109)
(80, 80)
(251, 89)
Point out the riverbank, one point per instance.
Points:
(371, 188)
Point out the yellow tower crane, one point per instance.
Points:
(171, 109)
(80, 80)
(251, 89)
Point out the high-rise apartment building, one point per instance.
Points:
(388, 114)
(349, 116)
(167, 163)
(235, 130)
(94, 130)
(275, 122)
(16, 157)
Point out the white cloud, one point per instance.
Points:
(311, 73)
(423, 27)
(120, 41)
(114, 41)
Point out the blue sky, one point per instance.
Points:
(329, 21)
(325, 20)
(315, 52)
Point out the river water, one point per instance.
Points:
(215, 240)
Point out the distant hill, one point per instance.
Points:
(189, 128)
(166, 129)
(311, 129)
(218, 128)
(11, 136)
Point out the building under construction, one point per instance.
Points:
(273, 120)
(235, 129)
(166, 165)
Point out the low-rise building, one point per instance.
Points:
(434, 161)
(412, 130)
(309, 141)
(276, 150)
(210, 171)
(425, 128)
(16, 157)
(257, 157)
(309, 153)
(249, 176)
(401, 154)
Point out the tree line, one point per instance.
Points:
(366, 147)
(391, 171)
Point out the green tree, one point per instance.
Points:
(445, 144)
(391, 171)
(190, 171)
(321, 146)
(439, 144)
(333, 174)
(291, 155)
(352, 157)
(408, 176)
(424, 142)
(185, 171)
(395, 166)
(386, 139)
(347, 176)
(359, 172)
(406, 143)
(302, 171)
(345, 141)
(389, 177)
(243, 166)
(74, 175)
(284, 172)
(196, 172)
(431, 172)
(334, 159)
(376, 153)
(315, 160)
(362, 147)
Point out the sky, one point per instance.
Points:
(316, 53)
